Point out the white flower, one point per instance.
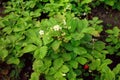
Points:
(56, 28)
(63, 74)
(41, 32)
(84, 14)
(90, 71)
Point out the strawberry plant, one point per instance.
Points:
(63, 46)
(81, 7)
(115, 4)
(113, 40)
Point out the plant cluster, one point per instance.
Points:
(64, 47)
(113, 40)
(115, 4)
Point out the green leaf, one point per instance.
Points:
(30, 4)
(3, 54)
(13, 60)
(87, 38)
(86, 1)
(107, 74)
(36, 13)
(17, 28)
(82, 24)
(49, 77)
(35, 76)
(108, 39)
(117, 6)
(8, 30)
(97, 54)
(37, 64)
(12, 38)
(41, 52)
(111, 75)
(64, 69)
(79, 50)
(58, 63)
(75, 43)
(29, 48)
(47, 62)
(58, 74)
(104, 64)
(116, 31)
(95, 64)
(68, 46)
(92, 31)
(73, 55)
(66, 56)
(54, 55)
(117, 46)
(88, 56)
(67, 38)
(110, 2)
(56, 44)
(81, 60)
(72, 75)
(34, 38)
(77, 36)
(116, 70)
(73, 23)
(99, 45)
(47, 39)
(62, 78)
(21, 25)
(52, 71)
(26, 13)
(111, 49)
(107, 61)
(73, 64)
(109, 31)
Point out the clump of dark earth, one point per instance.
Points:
(110, 17)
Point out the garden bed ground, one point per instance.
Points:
(109, 16)
(110, 19)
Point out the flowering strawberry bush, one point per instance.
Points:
(63, 46)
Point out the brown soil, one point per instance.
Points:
(109, 16)
(1, 8)
(1, 11)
